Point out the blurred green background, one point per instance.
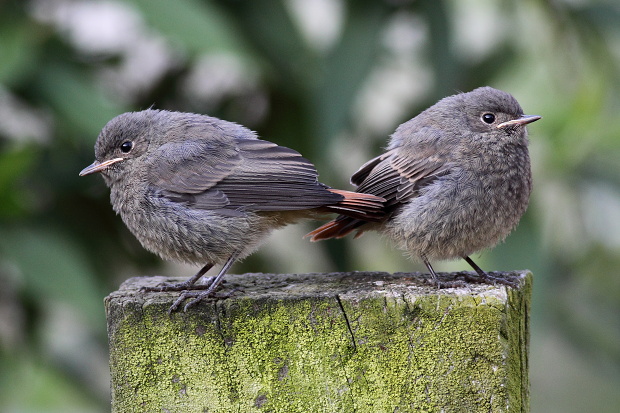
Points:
(331, 79)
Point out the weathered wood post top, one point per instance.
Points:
(343, 342)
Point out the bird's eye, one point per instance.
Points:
(488, 118)
(126, 146)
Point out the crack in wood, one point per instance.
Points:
(346, 319)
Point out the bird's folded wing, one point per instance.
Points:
(250, 174)
(192, 167)
(398, 178)
(274, 178)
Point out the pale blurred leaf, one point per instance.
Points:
(198, 26)
(77, 99)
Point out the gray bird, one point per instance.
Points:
(456, 179)
(200, 190)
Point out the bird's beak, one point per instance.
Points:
(98, 166)
(523, 120)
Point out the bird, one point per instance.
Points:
(456, 179)
(201, 190)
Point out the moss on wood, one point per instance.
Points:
(345, 342)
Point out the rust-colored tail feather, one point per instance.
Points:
(338, 228)
(355, 209)
(358, 205)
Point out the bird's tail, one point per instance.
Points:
(356, 209)
(357, 205)
(338, 228)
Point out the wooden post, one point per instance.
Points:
(343, 342)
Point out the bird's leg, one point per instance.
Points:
(476, 268)
(435, 278)
(485, 278)
(185, 285)
(209, 292)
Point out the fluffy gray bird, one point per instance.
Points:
(201, 190)
(456, 179)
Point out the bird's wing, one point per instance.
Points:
(393, 177)
(192, 167)
(396, 177)
(274, 178)
(188, 171)
(252, 175)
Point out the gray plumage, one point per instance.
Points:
(200, 190)
(456, 178)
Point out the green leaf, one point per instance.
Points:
(76, 97)
(199, 27)
(16, 162)
(53, 268)
(346, 69)
(28, 384)
(17, 50)
(268, 26)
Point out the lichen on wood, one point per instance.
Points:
(344, 342)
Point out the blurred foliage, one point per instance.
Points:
(331, 79)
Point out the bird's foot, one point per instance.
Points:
(447, 284)
(197, 297)
(182, 286)
(486, 278)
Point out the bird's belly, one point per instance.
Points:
(453, 220)
(182, 234)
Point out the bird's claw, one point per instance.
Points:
(197, 297)
(486, 278)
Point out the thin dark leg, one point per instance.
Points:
(185, 285)
(485, 278)
(431, 270)
(209, 292)
(476, 268)
(214, 285)
(435, 278)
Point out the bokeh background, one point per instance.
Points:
(331, 79)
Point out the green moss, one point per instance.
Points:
(392, 352)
